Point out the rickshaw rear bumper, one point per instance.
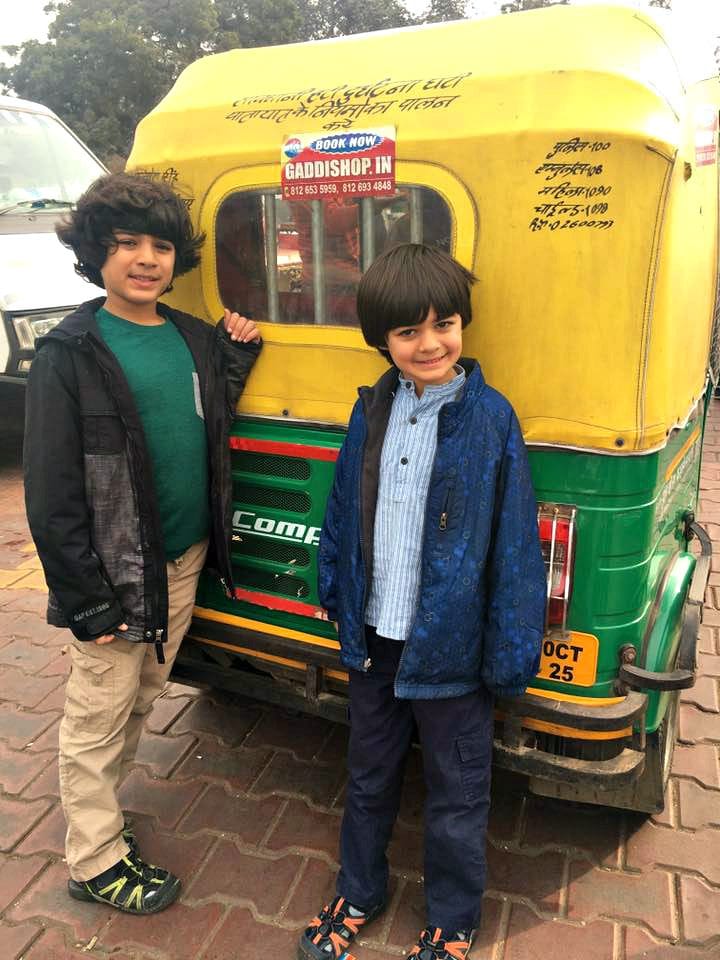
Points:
(514, 748)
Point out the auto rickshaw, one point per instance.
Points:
(563, 157)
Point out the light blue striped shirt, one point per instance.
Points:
(406, 464)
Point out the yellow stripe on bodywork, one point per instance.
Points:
(680, 455)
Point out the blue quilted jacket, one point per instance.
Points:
(481, 605)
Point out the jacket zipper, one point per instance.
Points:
(444, 515)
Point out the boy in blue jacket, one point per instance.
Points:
(430, 565)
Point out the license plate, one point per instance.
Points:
(570, 658)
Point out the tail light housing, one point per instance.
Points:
(556, 524)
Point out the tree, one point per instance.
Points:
(441, 10)
(339, 18)
(105, 65)
(517, 6)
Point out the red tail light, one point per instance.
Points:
(556, 523)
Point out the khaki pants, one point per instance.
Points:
(110, 691)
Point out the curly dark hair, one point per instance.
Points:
(133, 202)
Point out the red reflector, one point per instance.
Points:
(556, 534)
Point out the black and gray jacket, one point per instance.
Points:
(89, 489)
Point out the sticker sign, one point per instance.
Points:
(351, 163)
(706, 135)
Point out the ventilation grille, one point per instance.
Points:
(274, 550)
(272, 465)
(287, 501)
(280, 583)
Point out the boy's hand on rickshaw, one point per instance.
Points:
(109, 637)
(241, 328)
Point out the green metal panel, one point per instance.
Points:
(630, 544)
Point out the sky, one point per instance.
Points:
(28, 21)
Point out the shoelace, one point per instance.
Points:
(335, 924)
(431, 945)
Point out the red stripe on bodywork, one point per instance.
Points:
(285, 449)
(280, 603)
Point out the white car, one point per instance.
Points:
(44, 168)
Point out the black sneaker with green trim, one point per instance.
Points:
(131, 885)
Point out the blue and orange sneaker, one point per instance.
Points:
(331, 932)
(433, 945)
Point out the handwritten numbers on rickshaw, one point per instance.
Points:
(565, 160)
(569, 658)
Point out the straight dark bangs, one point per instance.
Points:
(401, 285)
(408, 301)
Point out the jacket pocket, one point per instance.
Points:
(103, 433)
(474, 755)
(90, 697)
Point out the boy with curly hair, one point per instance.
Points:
(127, 483)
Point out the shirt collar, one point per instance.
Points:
(434, 392)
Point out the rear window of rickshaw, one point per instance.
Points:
(301, 261)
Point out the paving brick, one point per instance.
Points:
(179, 932)
(304, 828)
(643, 898)
(315, 888)
(35, 628)
(47, 836)
(19, 727)
(183, 856)
(48, 740)
(530, 937)
(17, 817)
(711, 618)
(287, 775)
(707, 637)
(165, 712)
(52, 945)
(240, 929)
(228, 720)
(231, 875)
(48, 897)
(19, 687)
(539, 878)
(59, 666)
(166, 800)
(676, 849)
(163, 753)
(15, 874)
(54, 701)
(699, 761)
(19, 767)
(704, 694)
(639, 945)
(699, 807)
(210, 760)
(16, 939)
(246, 817)
(697, 725)
(700, 910)
(290, 731)
(26, 601)
(594, 831)
(709, 665)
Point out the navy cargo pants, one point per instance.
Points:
(456, 740)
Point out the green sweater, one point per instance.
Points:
(161, 373)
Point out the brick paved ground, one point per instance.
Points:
(244, 803)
